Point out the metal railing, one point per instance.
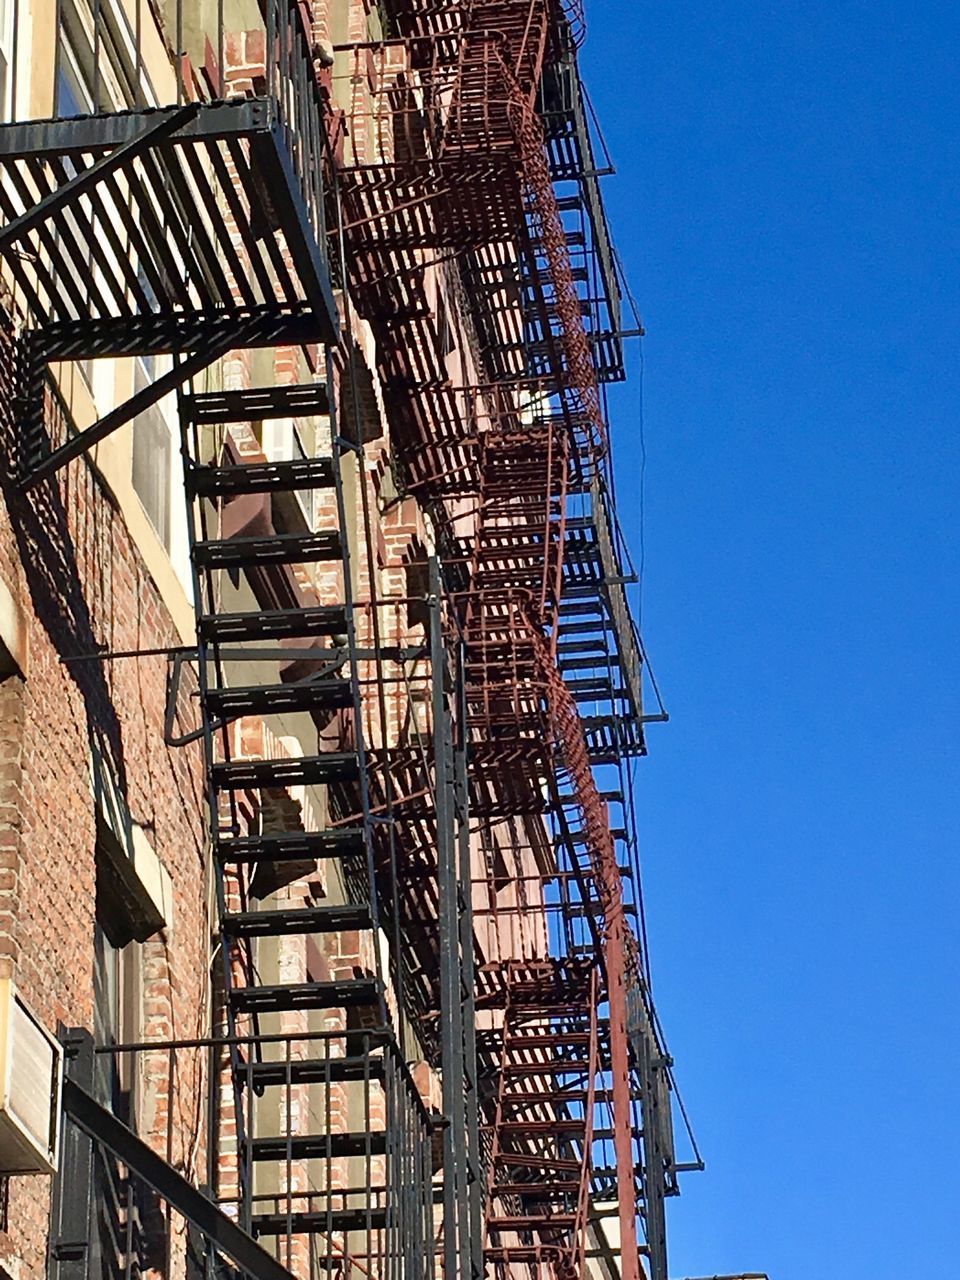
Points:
(339, 1153)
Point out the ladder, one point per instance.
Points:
(332, 1151)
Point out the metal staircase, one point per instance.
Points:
(542, 1128)
(350, 1176)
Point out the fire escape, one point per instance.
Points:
(204, 229)
(467, 153)
(188, 233)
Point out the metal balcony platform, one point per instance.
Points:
(189, 230)
(117, 224)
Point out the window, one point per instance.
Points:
(6, 59)
(97, 44)
(445, 333)
(152, 457)
(117, 1000)
(117, 988)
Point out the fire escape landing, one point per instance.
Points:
(186, 230)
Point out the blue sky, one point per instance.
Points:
(787, 205)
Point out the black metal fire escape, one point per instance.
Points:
(343, 1195)
(189, 232)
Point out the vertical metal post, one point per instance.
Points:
(221, 52)
(15, 58)
(139, 97)
(71, 1206)
(473, 1224)
(451, 1011)
(271, 49)
(179, 37)
(616, 965)
(96, 56)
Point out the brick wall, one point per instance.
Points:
(69, 562)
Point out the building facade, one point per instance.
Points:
(321, 935)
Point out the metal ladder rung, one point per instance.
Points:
(279, 699)
(272, 624)
(305, 995)
(292, 846)
(284, 923)
(260, 477)
(303, 771)
(279, 548)
(256, 404)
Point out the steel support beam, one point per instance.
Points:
(126, 412)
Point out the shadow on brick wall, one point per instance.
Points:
(41, 522)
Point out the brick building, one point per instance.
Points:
(319, 900)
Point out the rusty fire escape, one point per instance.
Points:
(466, 150)
(486, 856)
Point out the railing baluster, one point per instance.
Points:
(221, 52)
(96, 56)
(14, 54)
(179, 53)
(271, 48)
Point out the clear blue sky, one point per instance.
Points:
(787, 204)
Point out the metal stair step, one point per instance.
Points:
(582, 837)
(319, 1146)
(583, 664)
(279, 699)
(262, 1075)
(531, 1253)
(555, 1067)
(570, 608)
(548, 1040)
(279, 548)
(275, 624)
(530, 1221)
(562, 1124)
(255, 404)
(536, 1160)
(296, 920)
(305, 995)
(583, 628)
(539, 1188)
(591, 686)
(580, 911)
(306, 1222)
(301, 771)
(260, 477)
(292, 846)
(553, 1097)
